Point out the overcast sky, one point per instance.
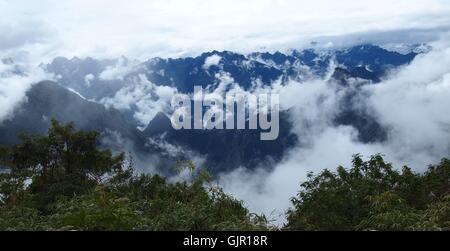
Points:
(37, 31)
(144, 28)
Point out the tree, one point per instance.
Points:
(63, 163)
(63, 181)
(372, 195)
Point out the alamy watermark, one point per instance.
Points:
(234, 111)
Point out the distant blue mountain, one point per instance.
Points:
(227, 149)
(184, 73)
(236, 147)
(377, 59)
(365, 61)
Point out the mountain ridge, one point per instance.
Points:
(79, 78)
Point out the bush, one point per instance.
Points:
(75, 186)
(372, 195)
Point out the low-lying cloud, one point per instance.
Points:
(412, 103)
(15, 80)
(142, 97)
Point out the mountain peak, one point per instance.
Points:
(159, 124)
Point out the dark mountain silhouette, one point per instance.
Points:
(365, 61)
(223, 149)
(378, 59)
(226, 149)
(47, 100)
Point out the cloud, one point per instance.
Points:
(143, 97)
(88, 78)
(19, 28)
(211, 60)
(21, 34)
(119, 70)
(15, 79)
(143, 29)
(412, 103)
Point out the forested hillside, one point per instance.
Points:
(63, 181)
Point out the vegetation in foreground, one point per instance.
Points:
(372, 195)
(62, 181)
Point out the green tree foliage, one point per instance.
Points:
(62, 181)
(372, 195)
(64, 163)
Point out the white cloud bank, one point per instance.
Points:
(211, 60)
(141, 28)
(413, 103)
(37, 32)
(15, 79)
(147, 98)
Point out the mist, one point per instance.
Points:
(412, 103)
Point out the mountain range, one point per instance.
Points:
(108, 96)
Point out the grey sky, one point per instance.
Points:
(143, 28)
(37, 31)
